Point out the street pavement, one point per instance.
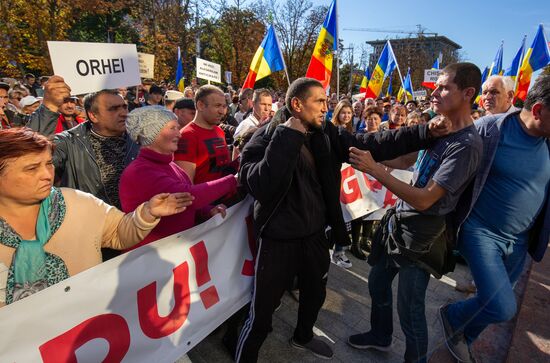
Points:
(346, 311)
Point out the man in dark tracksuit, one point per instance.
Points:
(292, 168)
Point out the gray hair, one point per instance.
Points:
(507, 82)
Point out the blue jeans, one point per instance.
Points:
(411, 294)
(496, 264)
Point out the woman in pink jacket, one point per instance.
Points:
(156, 130)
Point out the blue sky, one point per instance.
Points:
(478, 26)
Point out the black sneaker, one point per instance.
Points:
(316, 346)
(367, 341)
(454, 339)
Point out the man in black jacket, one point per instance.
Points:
(292, 168)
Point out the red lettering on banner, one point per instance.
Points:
(389, 199)
(350, 181)
(111, 327)
(209, 296)
(155, 326)
(248, 266)
(373, 184)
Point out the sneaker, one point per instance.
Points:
(316, 346)
(367, 341)
(340, 259)
(455, 340)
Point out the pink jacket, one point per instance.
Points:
(152, 173)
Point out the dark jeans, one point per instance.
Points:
(277, 264)
(411, 294)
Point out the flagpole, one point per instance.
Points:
(337, 53)
(281, 53)
(397, 66)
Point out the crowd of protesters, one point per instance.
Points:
(133, 165)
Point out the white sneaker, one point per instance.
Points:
(340, 259)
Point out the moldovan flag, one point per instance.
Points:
(268, 59)
(536, 58)
(365, 81)
(384, 67)
(513, 70)
(320, 66)
(431, 85)
(406, 91)
(496, 67)
(179, 73)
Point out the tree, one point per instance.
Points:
(297, 25)
(232, 40)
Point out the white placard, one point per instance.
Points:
(420, 93)
(146, 65)
(90, 67)
(209, 71)
(430, 75)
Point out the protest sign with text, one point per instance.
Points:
(430, 75)
(152, 304)
(146, 65)
(361, 194)
(209, 71)
(90, 67)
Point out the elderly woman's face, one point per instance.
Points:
(166, 141)
(28, 179)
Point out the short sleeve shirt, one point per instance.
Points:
(451, 163)
(206, 148)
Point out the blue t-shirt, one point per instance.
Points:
(516, 187)
(451, 162)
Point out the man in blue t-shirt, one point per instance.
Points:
(443, 172)
(505, 215)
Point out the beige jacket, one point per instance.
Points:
(89, 225)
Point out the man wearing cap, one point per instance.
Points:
(68, 115)
(184, 108)
(411, 106)
(170, 98)
(29, 104)
(155, 96)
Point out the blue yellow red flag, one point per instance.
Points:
(320, 65)
(267, 59)
(513, 70)
(385, 66)
(536, 57)
(365, 81)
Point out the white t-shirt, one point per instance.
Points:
(246, 124)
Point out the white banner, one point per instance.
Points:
(430, 75)
(209, 71)
(420, 93)
(152, 304)
(90, 67)
(155, 303)
(361, 194)
(146, 65)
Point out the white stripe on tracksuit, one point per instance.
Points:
(245, 332)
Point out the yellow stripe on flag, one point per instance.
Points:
(323, 48)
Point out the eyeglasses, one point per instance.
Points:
(69, 99)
